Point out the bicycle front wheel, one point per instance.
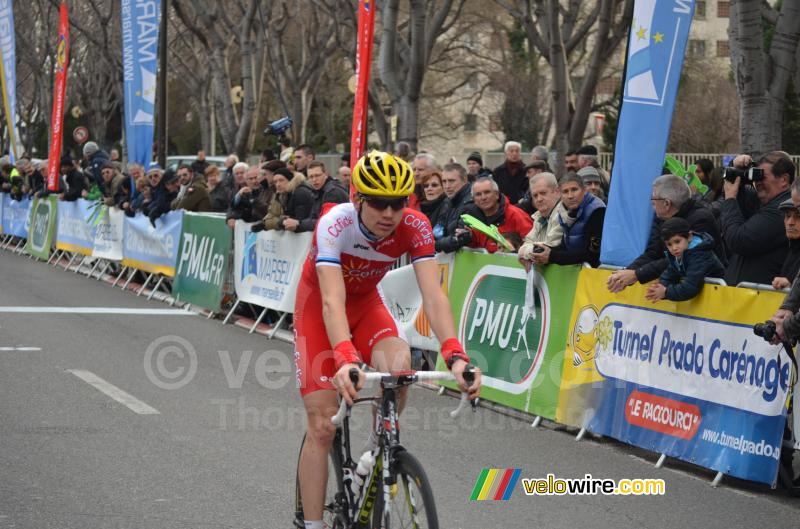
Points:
(411, 502)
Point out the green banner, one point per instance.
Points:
(42, 227)
(520, 351)
(202, 260)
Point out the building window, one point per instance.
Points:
(697, 48)
(470, 122)
(495, 123)
(723, 49)
(608, 85)
(700, 10)
(723, 9)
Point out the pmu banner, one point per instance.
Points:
(59, 96)
(402, 295)
(689, 379)
(151, 248)
(42, 227)
(518, 345)
(8, 71)
(140, 26)
(202, 260)
(74, 233)
(366, 28)
(16, 216)
(656, 48)
(267, 266)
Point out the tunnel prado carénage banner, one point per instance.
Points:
(519, 350)
(688, 379)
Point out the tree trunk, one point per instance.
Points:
(561, 89)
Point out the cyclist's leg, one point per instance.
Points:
(313, 467)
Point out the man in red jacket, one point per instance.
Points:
(492, 207)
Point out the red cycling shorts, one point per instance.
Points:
(370, 322)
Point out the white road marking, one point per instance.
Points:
(96, 310)
(114, 392)
(20, 349)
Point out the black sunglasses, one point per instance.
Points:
(379, 203)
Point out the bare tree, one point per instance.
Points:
(762, 70)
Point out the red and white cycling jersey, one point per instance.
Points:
(341, 240)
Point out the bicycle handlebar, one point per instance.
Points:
(469, 377)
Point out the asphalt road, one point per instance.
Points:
(220, 451)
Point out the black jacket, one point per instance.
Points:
(590, 251)
(685, 278)
(300, 203)
(513, 184)
(331, 191)
(161, 204)
(450, 219)
(251, 207)
(757, 245)
(220, 198)
(95, 168)
(792, 263)
(700, 217)
(76, 183)
(434, 209)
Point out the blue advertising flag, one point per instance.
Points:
(656, 47)
(140, 26)
(9, 70)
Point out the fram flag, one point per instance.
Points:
(656, 46)
(495, 484)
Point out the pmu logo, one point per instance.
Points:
(250, 254)
(495, 321)
(653, 55)
(41, 225)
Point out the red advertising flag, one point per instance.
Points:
(366, 27)
(57, 123)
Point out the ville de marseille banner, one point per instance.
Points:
(267, 266)
(16, 216)
(655, 55)
(202, 260)
(404, 299)
(689, 380)
(140, 26)
(152, 249)
(42, 227)
(519, 346)
(8, 71)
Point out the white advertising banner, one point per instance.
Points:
(267, 266)
(108, 234)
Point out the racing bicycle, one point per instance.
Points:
(396, 493)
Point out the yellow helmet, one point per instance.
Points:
(382, 174)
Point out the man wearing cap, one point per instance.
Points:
(791, 221)
(161, 204)
(95, 158)
(111, 182)
(593, 181)
(587, 157)
(72, 182)
(475, 168)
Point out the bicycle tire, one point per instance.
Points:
(335, 486)
(410, 475)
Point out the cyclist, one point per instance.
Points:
(340, 317)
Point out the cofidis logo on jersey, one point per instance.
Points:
(497, 324)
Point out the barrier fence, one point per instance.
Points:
(687, 380)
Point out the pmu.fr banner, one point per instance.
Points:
(402, 295)
(141, 20)
(689, 379)
(108, 230)
(42, 227)
(8, 71)
(59, 96)
(202, 260)
(656, 47)
(267, 266)
(518, 343)
(151, 248)
(74, 233)
(16, 216)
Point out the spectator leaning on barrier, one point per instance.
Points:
(510, 175)
(434, 205)
(475, 168)
(195, 195)
(670, 197)
(112, 179)
(95, 158)
(583, 226)
(791, 221)
(459, 199)
(285, 184)
(791, 303)
(691, 260)
(218, 193)
(757, 242)
(326, 190)
(73, 182)
(162, 202)
(249, 203)
(547, 229)
(593, 181)
(493, 208)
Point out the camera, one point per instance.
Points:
(766, 330)
(279, 126)
(538, 249)
(751, 174)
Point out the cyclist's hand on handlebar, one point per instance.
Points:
(344, 383)
(473, 389)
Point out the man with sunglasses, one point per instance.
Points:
(341, 321)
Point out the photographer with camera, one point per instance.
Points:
(754, 235)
